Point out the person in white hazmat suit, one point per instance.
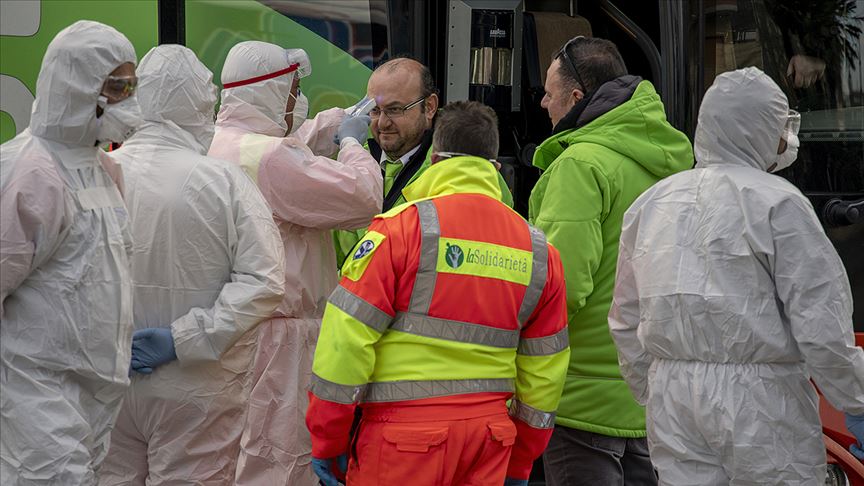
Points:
(65, 289)
(729, 298)
(310, 194)
(207, 268)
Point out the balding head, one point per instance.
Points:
(394, 85)
(420, 76)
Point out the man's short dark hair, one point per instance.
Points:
(467, 127)
(596, 61)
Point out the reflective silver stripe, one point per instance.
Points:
(544, 346)
(463, 332)
(538, 275)
(424, 283)
(334, 392)
(531, 416)
(360, 309)
(394, 391)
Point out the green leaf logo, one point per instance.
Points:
(454, 256)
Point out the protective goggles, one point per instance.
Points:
(568, 61)
(793, 123)
(117, 88)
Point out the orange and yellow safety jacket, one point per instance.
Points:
(449, 298)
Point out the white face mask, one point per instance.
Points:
(299, 113)
(789, 155)
(119, 120)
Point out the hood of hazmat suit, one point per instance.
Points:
(309, 194)
(729, 291)
(65, 288)
(206, 262)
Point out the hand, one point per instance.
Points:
(515, 482)
(152, 347)
(323, 469)
(804, 70)
(355, 127)
(855, 424)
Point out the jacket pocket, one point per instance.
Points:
(413, 454)
(503, 432)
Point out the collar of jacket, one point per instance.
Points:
(414, 164)
(606, 98)
(456, 175)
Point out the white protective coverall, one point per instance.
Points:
(206, 261)
(65, 289)
(309, 195)
(728, 298)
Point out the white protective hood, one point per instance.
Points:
(259, 105)
(728, 298)
(736, 125)
(175, 87)
(75, 66)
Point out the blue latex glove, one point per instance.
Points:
(855, 424)
(356, 127)
(515, 482)
(152, 347)
(323, 471)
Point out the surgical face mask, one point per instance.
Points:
(789, 155)
(119, 120)
(790, 134)
(300, 111)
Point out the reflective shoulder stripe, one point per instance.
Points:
(538, 275)
(544, 346)
(424, 283)
(360, 309)
(334, 392)
(463, 332)
(395, 391)
(531, 416)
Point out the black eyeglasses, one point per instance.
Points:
(395, 112)
(569, 62)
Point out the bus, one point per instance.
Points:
(497, 52)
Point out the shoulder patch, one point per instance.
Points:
(356, 264)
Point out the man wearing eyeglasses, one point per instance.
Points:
(610, 142)
(402, 126)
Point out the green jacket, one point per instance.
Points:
(620, 146)
(345, 240)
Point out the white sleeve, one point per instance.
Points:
(624, 315)
(256, 284)
(814, 289)
(318, 132)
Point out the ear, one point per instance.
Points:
(431, 106)
(576, 95)
(435, 158)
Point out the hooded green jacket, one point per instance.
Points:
(620, 146)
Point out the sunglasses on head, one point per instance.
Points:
(568, 61)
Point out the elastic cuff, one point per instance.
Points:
(328, 448)
(519, 470)
(348, 141)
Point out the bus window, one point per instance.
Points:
(343, 38)
(812, 49)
